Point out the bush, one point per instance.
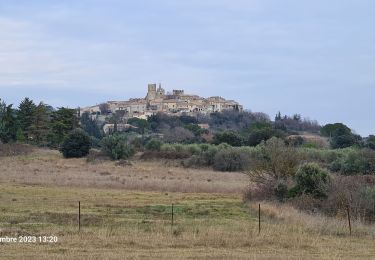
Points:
(313, 180)
(281, 191)
(370, 142)
(153, 145)
(116, 146)
(76, 144)
(273, 160)
(229, 137)
(358, 192)
(231, 160)
(256, 136)
(354, 161)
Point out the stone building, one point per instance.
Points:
(157, 100)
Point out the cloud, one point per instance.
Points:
(293, 56)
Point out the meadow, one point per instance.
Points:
(126, 215)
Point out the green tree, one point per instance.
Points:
(228, 137)
(142, 124)
(26, 116)
(40, 126)
(63, 121)
(8, 123)
(370, 143)
(154, 145)
(330, 130)
(116, 146)
(311, 179)
(340, 135)
(76, 144)
(195, 129)
(20, 136)
(90, 126)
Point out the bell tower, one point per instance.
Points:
(151, 93)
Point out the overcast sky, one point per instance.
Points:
(313, 57)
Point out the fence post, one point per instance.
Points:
(79, 215)
(350, 224)
(172, 219)
(259, 220)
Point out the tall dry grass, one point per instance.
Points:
(49, 168)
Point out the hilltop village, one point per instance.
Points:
(157, 100)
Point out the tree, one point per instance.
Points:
(154, 145)
(278, 116)
(370, 143)
(343, 141)
(177, 135)
(297, 117)
(142, 124)
(228, 137)
(90, 126)
(341, 135)
(63, 121)
(26, 116)
(311, 179)
(116, 146)
(259, 135)
(40, 126)
(8, 124)
(20, 136)
(330, 130)
(231, 159)
(274, 162)
(76, 144)
(196, 129)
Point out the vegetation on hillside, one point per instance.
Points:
(289, 159)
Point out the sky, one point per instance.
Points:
(312, 57)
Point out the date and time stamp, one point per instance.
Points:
(29, 240)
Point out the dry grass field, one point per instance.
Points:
(126, 215)
(46, 167)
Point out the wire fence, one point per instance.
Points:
(65, 212)
(41, 211)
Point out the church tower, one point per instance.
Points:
(151, 93)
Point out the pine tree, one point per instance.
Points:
(40, 127)
(8, 124)
(26, 116)
(20, 136)
(90, 126)
(278, 116)
(63, 121)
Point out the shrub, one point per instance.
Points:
(154, 145)
(174, 151)
(116, 146)
(229, 137)
(258, 135)
(272, 161)
(354, 161)
(358, 192)
(194, 149)
(311, 179)
(95, 142)
(231, 160)
(370, 143)
(281, 191)
(76, 144)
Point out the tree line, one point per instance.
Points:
(38, 124)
